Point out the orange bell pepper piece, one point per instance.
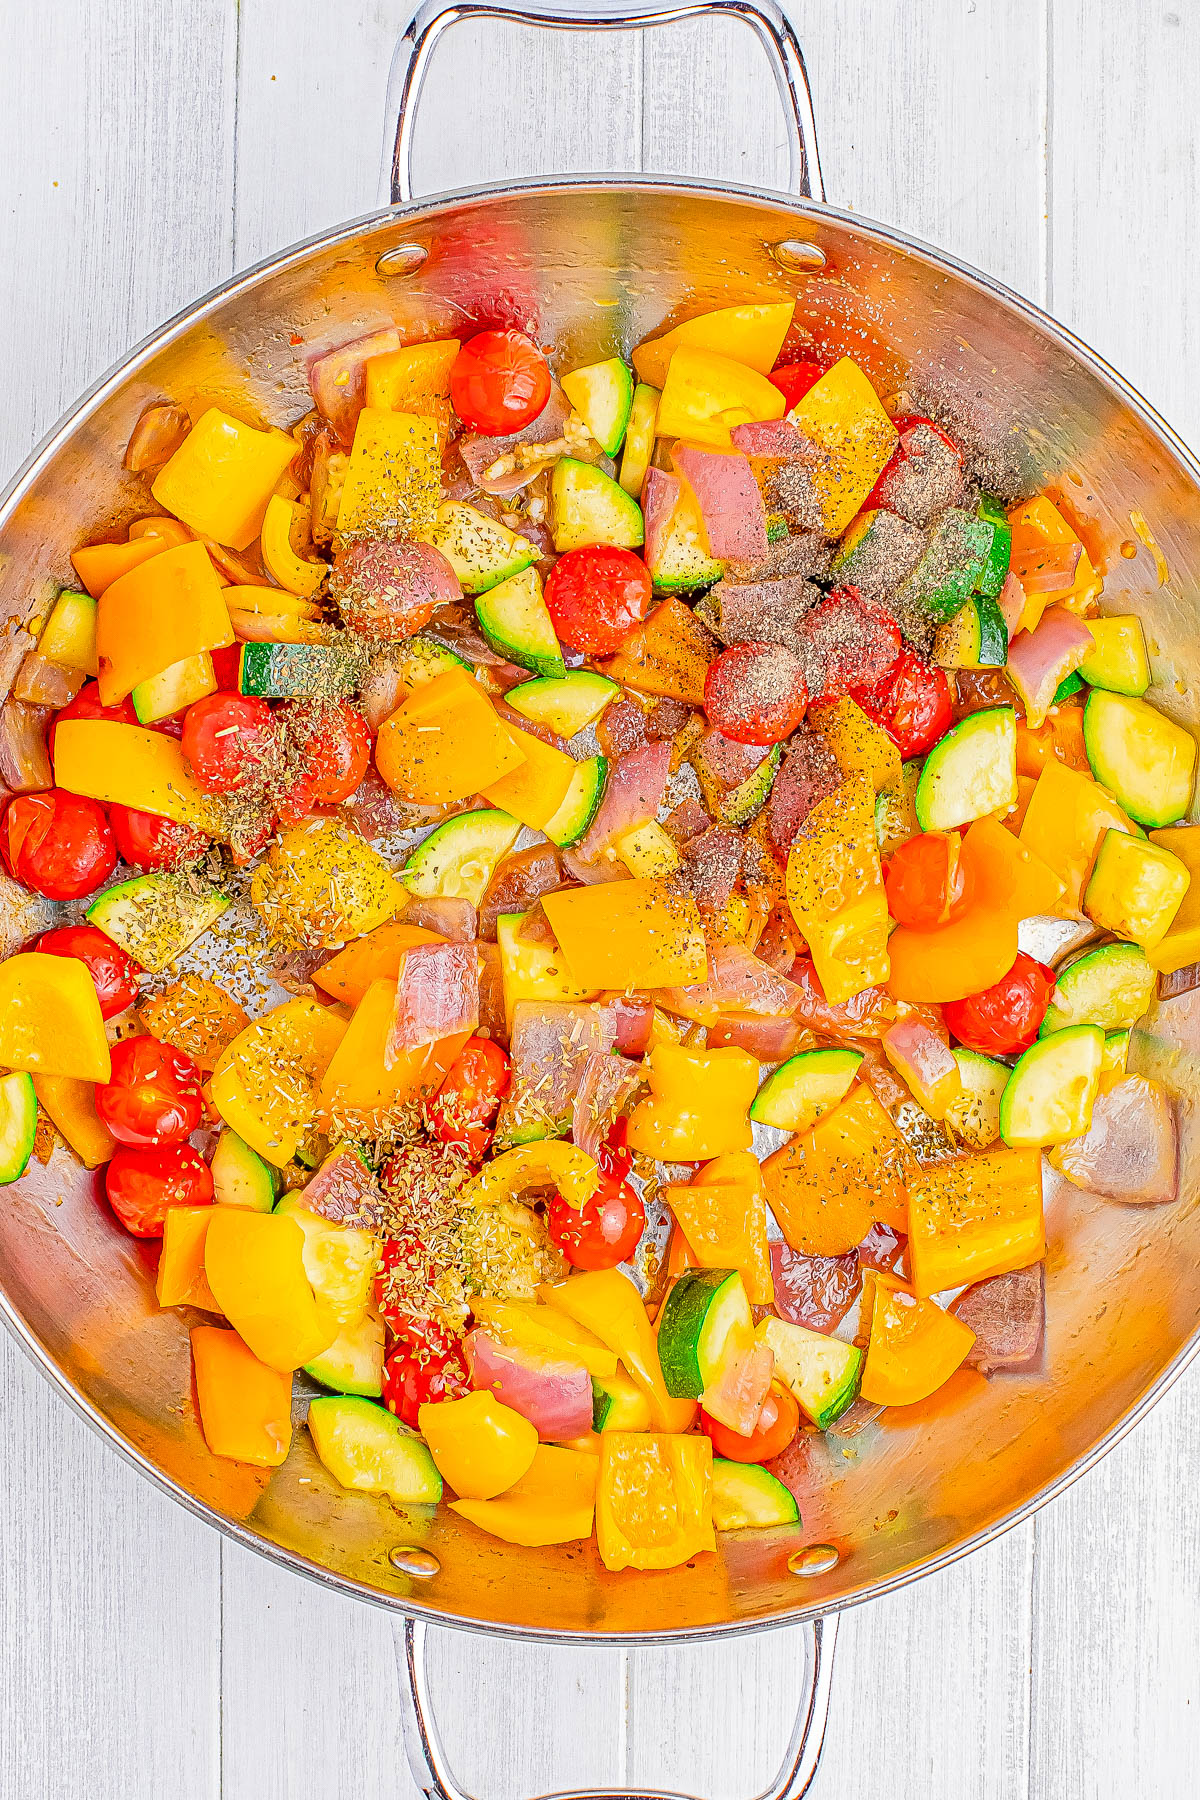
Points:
(914, 1346)
(973, 1217)
(446, 741)
(1035, 525)
(99, 565)
(1065, 822)
(553, 1502)
(829, 1184)
(181, 1278)
(699, 1105)
(158, 525)
(376, 957)
(129, 765)
(245, 1407)
(71, 1104)
(628, 934)
(221, 477)
(358, 1091)
(50, 1020)
(196, 1016)
(969, 954)
(255, 1267)
(1058, 739)
(479, 1445)
(722, 1215)
(167, 609)
(836, 894)
(537, 787)
(1008, 874)
(668, 654)
(654, 1499)
(606, 1303)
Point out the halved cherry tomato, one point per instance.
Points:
(153, 1096)
(58, 844)
(853, 642)
(337, 755)
(794, 380)
(1005, 1018)
(597, 596)
(143, 1184)
(224, 735)
(146, 840)
(778, 1423)
(605, 1233)
(499, 382)
(116, 975)
(86, 705)
(756, 693)
(462, 1110)
(416, 1375)
(927, 881)
(912, 703)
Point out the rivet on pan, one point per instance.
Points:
(401, 259)
(794, 253)
(423, 1565)
(814, 1559)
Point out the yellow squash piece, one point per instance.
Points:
(973, 1217)
(222, 475)
(393, 480)
(479, 1445)
(245, 1407)
(181, 1279)
(255, 1267)
(607, 1304)
(553, 1502)
(1136, 889)
(284, 529)
(836, 894)
(751, 334)
(654, 1499)
(50, 1020)
(628, 934)
(722, 1213)
(699, 1105)
(537, 787)
(1181, 943)
(322, 884)
(165, 611)
(265, 1084)
(843, 415)
(705, 395)
(130, 765)
(446, 741)
(71, 1104)
(1065, 821)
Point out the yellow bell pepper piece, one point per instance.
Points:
(572, 1171)
(973, 1217)
(50, 1020)
(537, 787)
(628, 934)
(181, 1279)
(654, 1500)
(859, 746)
(245, 1407)
(130, 765)
(836, 894)
(415, 379)
(751, 334)
(1181, 943)
(704, 395)
(554, 1502)
(71, 1104)
(393, 481)
(284, 529)
(722, 1213)
(255, 1267)
(446, 741)
(99, 565)
(1136, 888)
(264, 1085)
(544, 1328)
(222, 475)
(842, 414)
(533, 971)
(699, 1104)
(1038, 523)
(479, 1446)
(915, 1346)
(647, 851)
(607, 1304)
(1067, 816)
(159, 614)
(322, 884)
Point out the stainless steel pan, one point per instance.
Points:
(577, 263)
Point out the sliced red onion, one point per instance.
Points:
(1011, 601)
(554, 1394)
(1130, 1151)
(770, 1040)
(1008, 1316)
(345, 1191)
(551, 1044)
(451, 917)
(814, 1291)
(338, 379)
(1048, 568)
(44, 683)
(660, 494)
(437, 997)
(1039, 660)
(633, 794)
(737, 982)
(24, 760)
(730, 501)
(736, 1397)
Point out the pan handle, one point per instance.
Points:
(433, 1776)
(430, 18)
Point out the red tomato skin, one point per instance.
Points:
(778, 1423)
(86, 705)
(146, 840)
(153, 1095)
(499, 382)
(336, 757)
(223, 737)
(912, 703)
(1005, 1018)
(413, 1378)
(614, 1158)
(730, 699)
(904, 422)
(605, 1233)
(143, 1184)
(116, 975)
(926, 880)
(858, 642)
(462, 1110)
(58, 844)
(794, 380)
(597, 596)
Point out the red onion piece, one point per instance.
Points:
(554, 1394)
(1047, 568)
(1130, 1151)
(731, 504)
(1038, 660)
(338, 379)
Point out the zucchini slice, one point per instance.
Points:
(515, 620)
(589, 507)
(804, 1087)
(972, 771)
(602, 395)
(1142, 757)
(339, 1260)
(821, 1373)
(639, 438)
(161, 695)
(618, 1404)
(746, 1495)
(682, 560)
(1110, 987)
(457, 859)
(1136, 888)
(480, 550)
(1117, 660)
(364, 1447)
(566, 703)
(155, 918)
(18, 1124)
(975, 638)
(999, 554)
(353, 1363)
(974, 1116)
(241, 1177)
(1051, 1092)
(580, 802)
(1116, 1052)
(703, 1313)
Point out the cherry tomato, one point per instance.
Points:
(852, 640)
(146, 840)
(142, 1184)
(153, 1094)
(927, 881)
(605, 1233)
(597, 596)
(58, 844)
(913, 449)
(912, 703)
(1005, 1018)
(755, 693)
(778, 1423)
(116, 975)
(224, 735)
(86, 705)
(337, 756)
(614, 1158)
(795, 379)
(416, 1376)
(499, 382)
(462, 1110)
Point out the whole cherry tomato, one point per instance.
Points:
(58, 844)
(778, 1423)
(597, 596)
(912, 703)
(146, 840)
(795, 379)
(86, 705)
(605, 1233)
(336, 757)
(499, 382)
(851, 640)
(755, 693)
(116, 975)
(919, 439)
(143, 1184)
(224, 735)
(462, 1110)
(153, 1094)
(1005, 1018)
(417, 1376)
(927, 881)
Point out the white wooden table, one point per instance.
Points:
(147, 149)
